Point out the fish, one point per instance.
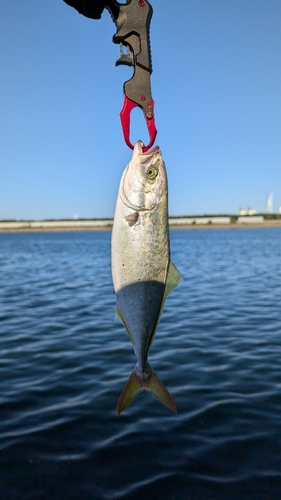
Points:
(142, 272)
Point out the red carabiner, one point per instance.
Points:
(125, 122)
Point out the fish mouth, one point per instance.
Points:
(133, 184)
(148, 155)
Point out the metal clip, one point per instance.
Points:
(132, 21)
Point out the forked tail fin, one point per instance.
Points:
(150, 382)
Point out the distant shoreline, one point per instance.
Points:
(228, 226)
(99, 225)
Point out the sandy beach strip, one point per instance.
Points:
(227, 226)
(106, 225)
(58, 225)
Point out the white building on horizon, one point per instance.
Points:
(247, 211)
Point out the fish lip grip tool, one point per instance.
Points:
(132, 20)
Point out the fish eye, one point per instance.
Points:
(152, 173)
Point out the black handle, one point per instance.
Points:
(89, 8)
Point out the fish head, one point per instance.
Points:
(144, 180)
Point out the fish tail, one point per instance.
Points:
(144, 382)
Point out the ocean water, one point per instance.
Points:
(64, 361)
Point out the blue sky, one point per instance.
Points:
(216, 83)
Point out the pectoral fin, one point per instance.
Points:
(132, 219)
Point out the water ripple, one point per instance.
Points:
(64, 362)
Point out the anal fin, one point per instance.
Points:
(173, 279)
(119, 316)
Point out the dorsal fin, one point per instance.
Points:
(173, 279)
